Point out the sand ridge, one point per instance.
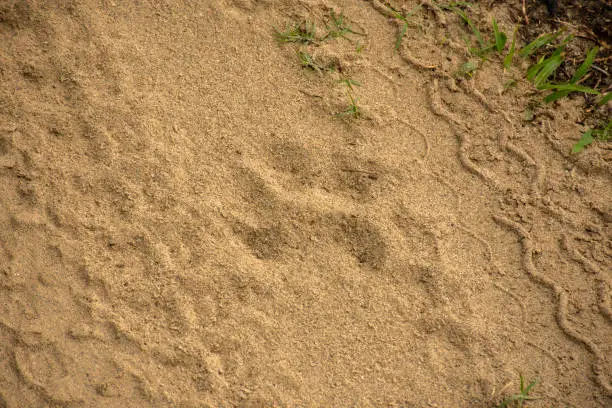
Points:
(184, 222)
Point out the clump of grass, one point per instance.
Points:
(350, 83)
(484, 46)
(563, 90)
(305, 34)
(308, 61)
(517, 400)
(297, 33)
(404, 22)
(591, 135)
(545, 68)
(353, 109)
(339, 28)
(540, 72)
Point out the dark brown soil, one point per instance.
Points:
(590, 21)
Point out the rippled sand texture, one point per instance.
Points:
(185, 223)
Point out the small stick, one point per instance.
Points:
(525, 13)
(603, 71)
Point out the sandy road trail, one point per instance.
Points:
(185, 223)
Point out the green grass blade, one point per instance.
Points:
(471, 24)
(546, 67)
(400, 36)
(606, 98)
(585, 140)
(500, 38)
(308, 61)
(556, 95)
(339, 28)
(510, 56)
(414, 10)
(570, 88)
(550, 66)
(539, 43)
(585, 66)
(534, 69)
(395, 13)
(530, 386)
(349, 83)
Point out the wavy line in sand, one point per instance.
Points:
(544, 351)
(562, 300)
(504, 143)
(461, 130)
(517, 299)
(425, 139)
(508, 292)
(603, 295)
(386, 77)
(404, 55)
(491, 259)
(553, 142)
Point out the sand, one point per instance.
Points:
(185, 222)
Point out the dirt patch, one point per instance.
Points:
(188, 219)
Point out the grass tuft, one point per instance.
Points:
(517, 400)
(359, 47)
(585, 66)
(353, 109)
(297, 33)
(564, 89)
(339, 28)
(540, 72)
(308, 61)
(484, 46)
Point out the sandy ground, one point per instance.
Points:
(185, 223)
